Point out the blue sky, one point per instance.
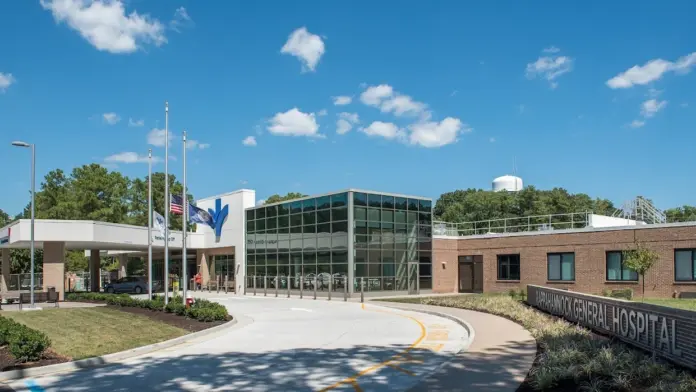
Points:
(594, 97)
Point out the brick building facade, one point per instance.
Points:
(585, 260)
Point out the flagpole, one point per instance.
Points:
(166, 203)
(149, 225)
(184, 260)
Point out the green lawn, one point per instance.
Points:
(88, 332)
(688, 304)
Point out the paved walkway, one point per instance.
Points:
(282, 344)
(498, 360)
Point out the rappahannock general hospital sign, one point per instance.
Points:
(669, 332)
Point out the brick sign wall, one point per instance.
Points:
(669, 332)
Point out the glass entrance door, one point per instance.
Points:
(413, 281)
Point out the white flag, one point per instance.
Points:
(158, 222)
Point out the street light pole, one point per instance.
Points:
(149, 224)
(33, 191)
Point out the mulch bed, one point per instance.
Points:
(7, 361)
(182, 322)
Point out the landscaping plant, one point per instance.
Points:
(25, 344)
(640, 259)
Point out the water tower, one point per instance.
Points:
(507, 183)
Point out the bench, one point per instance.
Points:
(39, 296)
(687, 295)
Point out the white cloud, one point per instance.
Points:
(654, 93)
(192, 144)
(105, 25)
(294, 123)
(156, 137)
(322, 112)
(637, 124)
(260, 202)
(345, 122)
(434, 134)
(650, 107)
(384, 129)
(549, 68)
(6, 80)
(384, 98)
(651, 71)
(129, 157)
(249, 141)
(136, 123)
(342, 100)
(203, 146)
(551, 49)
(111, 118)
(181, 19)
(306, 46)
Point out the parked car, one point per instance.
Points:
(130, 284)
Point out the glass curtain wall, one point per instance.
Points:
(304, 238)
(224, 266)
(390, 232)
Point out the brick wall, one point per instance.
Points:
(590, 249)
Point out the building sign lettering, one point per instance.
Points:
(658, 331)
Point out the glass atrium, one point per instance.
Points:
(378, 240)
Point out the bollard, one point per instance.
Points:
(330, 286)
(254, 276)
(315, 287)
(226, 283)
(301, 285)
(345, 289)
(362, 290)
(288, 285)
(276, 285)
(265, 285)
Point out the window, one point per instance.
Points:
(616, 271)
(508, 267)
(359, 199)
(561, 266)
(685, 265)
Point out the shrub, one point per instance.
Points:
(621, 293)
(25, 344)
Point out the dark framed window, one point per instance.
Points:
(508, 267)
(250, 214)
(323, 202)
(616, 270)
(359, 199)
(309, 205)
(296, 207)
(339, 200)
(284, 209)
(374, 200)
(412, 205)
(400, 203)
(388, 202)
(685, 265)
(561, 266)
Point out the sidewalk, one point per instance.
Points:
(498, 359)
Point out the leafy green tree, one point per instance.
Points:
(4, 218)
(681, 214)
(278, 198)
(21, 261)
(75, 260)
(137, 197)
(640, 259)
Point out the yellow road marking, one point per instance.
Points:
(438, 335)
(410, 373)
(353, 380)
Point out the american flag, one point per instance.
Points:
(176, 205)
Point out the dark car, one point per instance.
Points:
(131, 284)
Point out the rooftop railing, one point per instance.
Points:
(575, 220)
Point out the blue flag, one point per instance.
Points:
(197, 215)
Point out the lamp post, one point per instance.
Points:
(33, 171)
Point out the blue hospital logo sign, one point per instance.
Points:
(218, 215)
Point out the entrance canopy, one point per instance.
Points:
(81, 234)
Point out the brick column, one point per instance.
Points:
(54, 267)
(94, 270)
(5, 275)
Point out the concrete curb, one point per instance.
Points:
(110, 359)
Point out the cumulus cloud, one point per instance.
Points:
(436, 134)
(156, 137)
(307, 47)
(6, 80)
(637, 123)
(195, 144)
(387, 100)
(181, 20)
(345, 122)
(294, 123)
(322, 112)
(550, 67)
(249, 141)
(136, 123)
(551, 49)
(342, 100)
(129, 157)
(386, 130)
(105, 24)
(650, 107)
(111, 118)
(651, 71)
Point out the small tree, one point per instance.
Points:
(640, 259)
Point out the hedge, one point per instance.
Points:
(201, 310)
(25, 344)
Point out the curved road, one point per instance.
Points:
(282, 344)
